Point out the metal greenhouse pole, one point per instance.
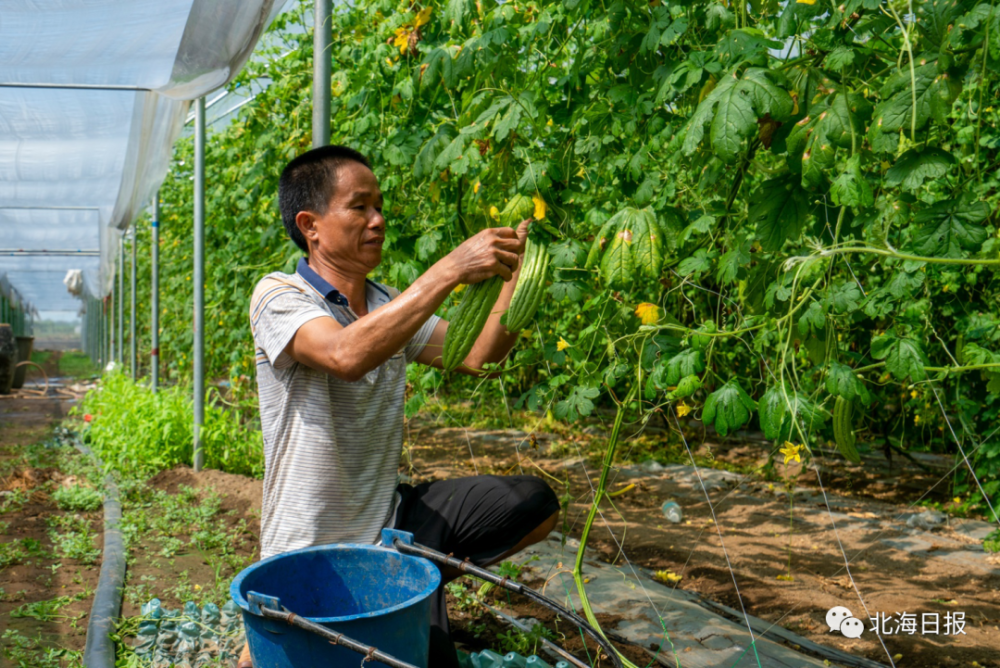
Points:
(154, 297)
(199, 280)
(131, 321)
(322, 44)
(120, 297)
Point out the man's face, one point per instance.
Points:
(352, 230)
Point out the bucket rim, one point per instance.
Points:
(431, 569)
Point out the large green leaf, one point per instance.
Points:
(904, 357)
(685, 363)
(851, 188)
(780, 409)
(778, 208)
(734, 107)
(618, 265)
(914, 167)
(647, 242)
(812, 144)
(951, 227)
(934, 94)
(842, 381)
(728, 408)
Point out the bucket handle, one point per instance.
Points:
(270, 607)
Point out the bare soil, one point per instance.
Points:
(25, 422)
(760, 537)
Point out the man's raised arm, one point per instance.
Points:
(350, 352)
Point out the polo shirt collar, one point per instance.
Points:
(320, 284)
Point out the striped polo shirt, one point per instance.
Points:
(331, 448)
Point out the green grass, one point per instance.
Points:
(40, 357)
(76, 364)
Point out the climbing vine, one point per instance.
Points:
(818, 185)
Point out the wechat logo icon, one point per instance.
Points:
(841, 619)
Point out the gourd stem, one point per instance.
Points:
(609, 457)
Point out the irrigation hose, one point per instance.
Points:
(517, 588)
(370, 653)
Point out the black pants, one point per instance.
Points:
(479, 518)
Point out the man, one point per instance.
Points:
(332, 349)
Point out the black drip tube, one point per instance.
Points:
(516, 587)
(370, 653)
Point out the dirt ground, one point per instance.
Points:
(754, 523)
(761, 531)
(44, 576)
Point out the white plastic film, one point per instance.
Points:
(93, 94)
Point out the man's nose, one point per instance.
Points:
(377, 221)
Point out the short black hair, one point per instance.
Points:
(308, 182)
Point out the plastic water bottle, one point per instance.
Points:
(513, 660)
(672, 511)
(535, 661)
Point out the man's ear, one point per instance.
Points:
(306, 222)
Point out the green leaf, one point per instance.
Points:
(618, 264)
(733, 108)
(950, 227)
(813, 320)
(914, 167)
(731, 264)
(577, 404)
(934, 94)
(508, 123)
(779, 411)
(571, 290)
(424, 164)
(733, 123)
(647, 241)
(686, 386)
(566, 254)
(451, 153)
(904, 357)
(843, 297)
(851, 188)
(685, 363)
(728, 408)
(778, 208)
(697, 264)
(842, 381)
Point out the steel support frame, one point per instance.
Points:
(131, 320)
(198, 281)
(154, 297)
(322, 65)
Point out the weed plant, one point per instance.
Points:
(138, 432)
(78, 498)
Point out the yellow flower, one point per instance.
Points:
(459, 287)
(539, 207)
(791, 451)
(562, 345)
(916, 419)
(494, 213)
(913, 394)
(424, 17)
(475, 188)
(648, 313)
(666, 576)
(402, 39)
(682, 409)
(549, 123)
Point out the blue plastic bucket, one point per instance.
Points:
(374, 595)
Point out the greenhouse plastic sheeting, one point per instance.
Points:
(78, 164)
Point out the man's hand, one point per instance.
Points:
(493, 252)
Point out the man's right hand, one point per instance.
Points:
(493, 252)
